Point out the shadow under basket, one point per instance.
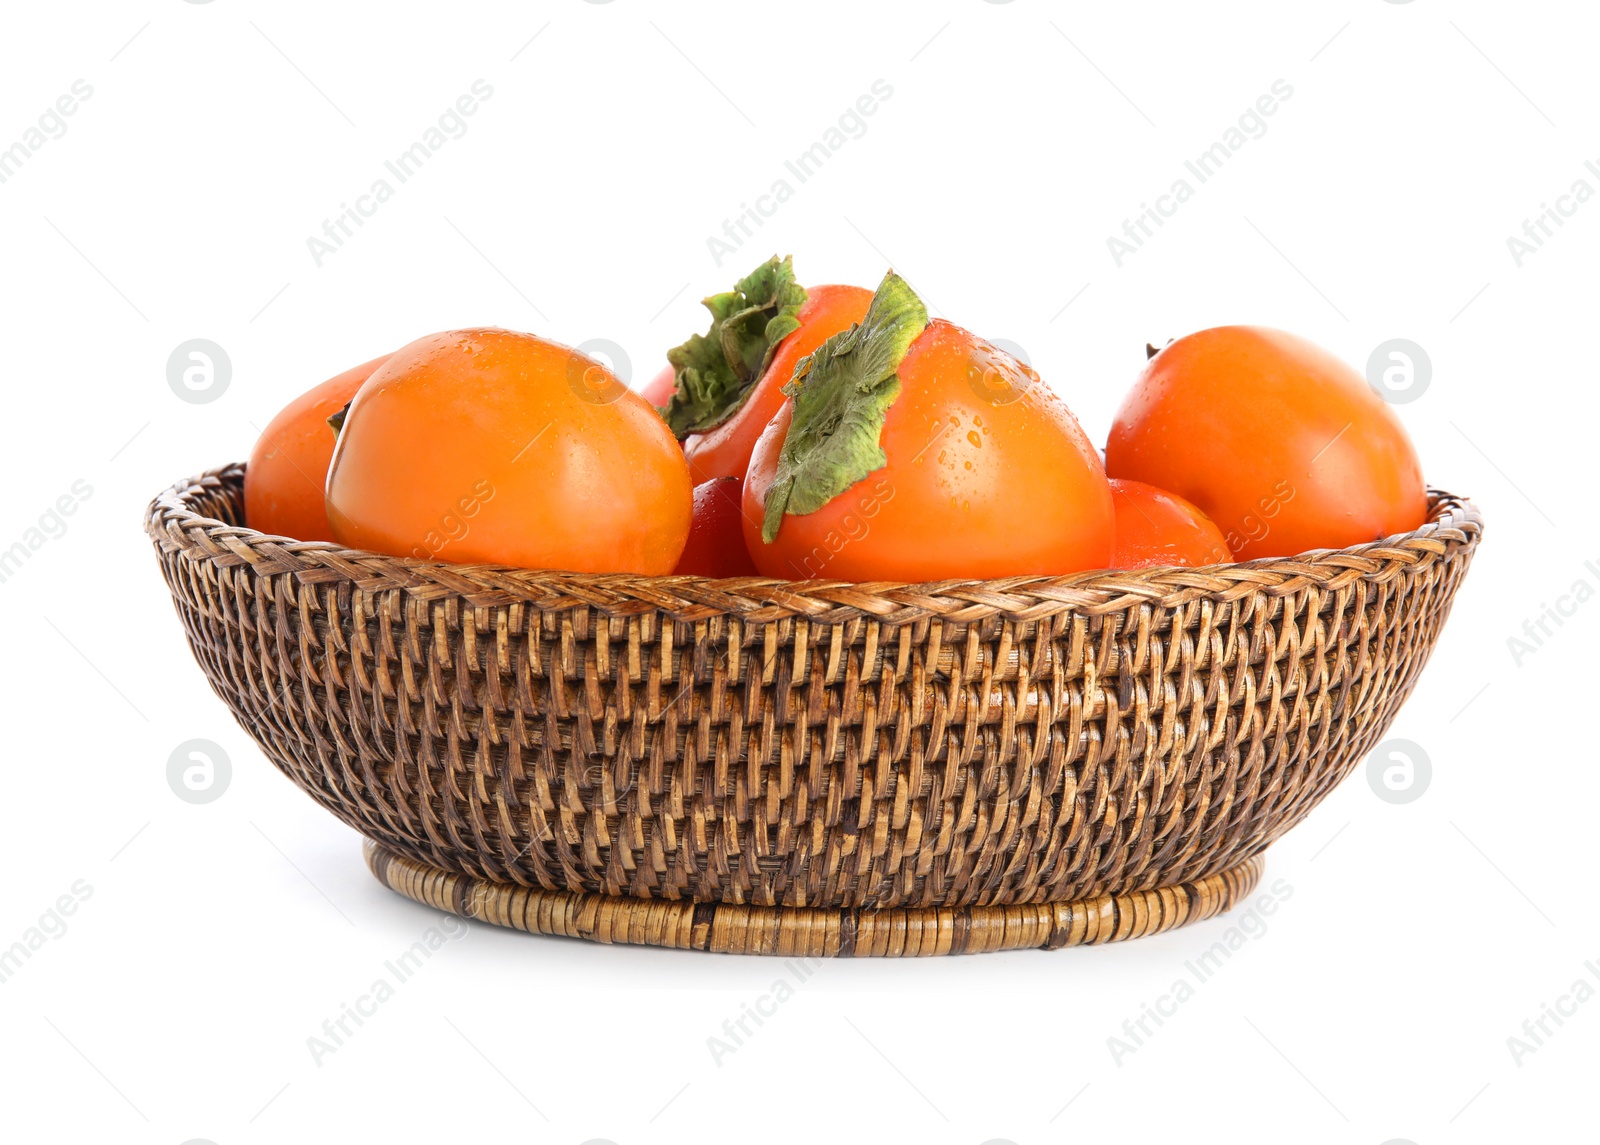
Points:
(810, 768)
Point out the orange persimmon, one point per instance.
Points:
(1156, 528)
(1280, 443)
(729, 381)
(716, 539)
(491, 446)
(913, 450)
(288, 470)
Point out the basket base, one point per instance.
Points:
(804, 932)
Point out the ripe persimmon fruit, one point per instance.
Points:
(658, 390)
(913, 450)
(1156, 528)
(1285, 447)
(716, 538)
(728, 382)
(490, 446)
(288, 470)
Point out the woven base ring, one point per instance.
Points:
(803, 932)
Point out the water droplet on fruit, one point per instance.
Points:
(972, 436)
(1001, 378)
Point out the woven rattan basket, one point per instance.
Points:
(810, 768)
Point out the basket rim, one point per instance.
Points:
(1454, 523)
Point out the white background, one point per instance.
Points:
(1019, 136)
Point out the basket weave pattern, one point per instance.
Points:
(819, 744)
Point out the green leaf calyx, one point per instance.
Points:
(715, 371)
(841, 393)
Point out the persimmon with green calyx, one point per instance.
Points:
(489, 446)
(1280, 443)
(283, 484)
(913, 450)
(728, 382)
(714, 371)
(1158, 529)
(716, 538)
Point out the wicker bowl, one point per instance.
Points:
(814, 768)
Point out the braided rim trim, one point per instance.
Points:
(1454, 524)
